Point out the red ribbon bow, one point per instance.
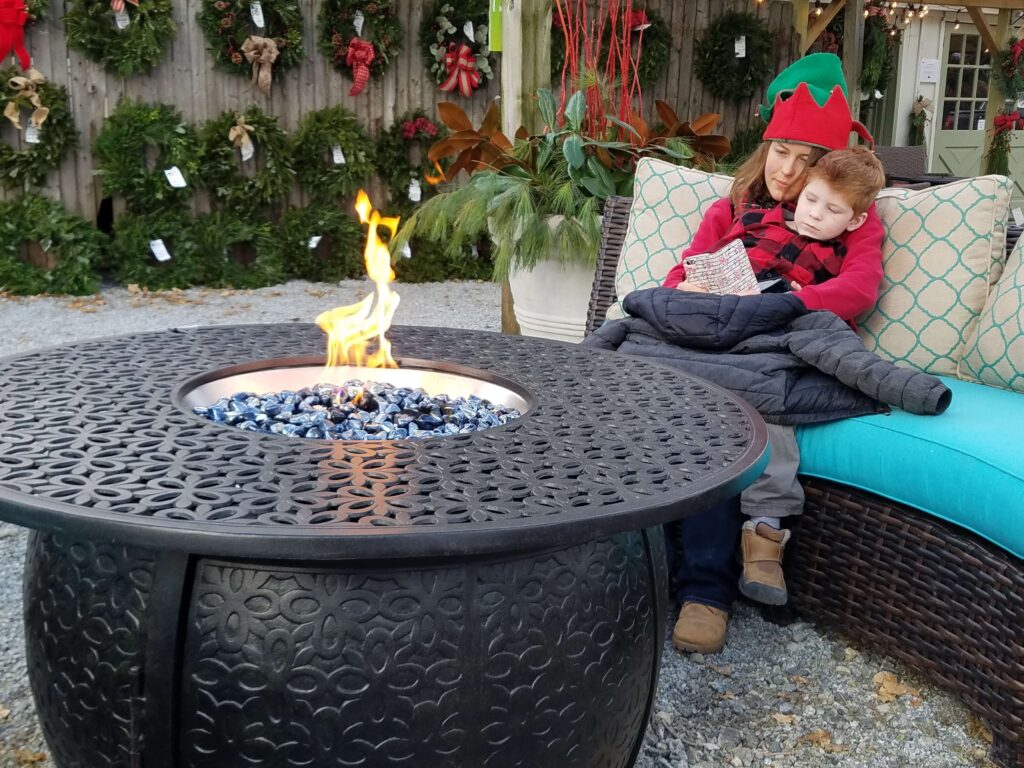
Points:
(359, 56)
(461, 66)
(118, 5)
(13, 16)
(1006, 122)
(637, 19)
(1016, 51)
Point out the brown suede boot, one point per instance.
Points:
(700, 628)
(762, 578)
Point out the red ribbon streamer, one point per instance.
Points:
(1006, 122)
(359, 56)
(13, 16)
(461, 66)
(118, 5)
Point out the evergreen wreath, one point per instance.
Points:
(442, 30)
(320, 243)
(221, 166)
(1009, 68)
(413, 130)
(236, 251)
(723, 73)
(90, 29)
(77, 245)
(36, 11)
(381, 28)
(121, 149)
(227, 24)
(653, 44)
(57, 135)
(320, 131)
(135, 262)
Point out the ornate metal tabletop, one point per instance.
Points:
(91, 441)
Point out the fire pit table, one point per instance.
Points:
(200, 595)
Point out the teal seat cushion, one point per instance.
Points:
(965, 466)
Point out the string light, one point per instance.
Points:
(956, 20)
(817, 7)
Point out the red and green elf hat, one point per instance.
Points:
(808, 104)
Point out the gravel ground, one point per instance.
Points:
(777, 696)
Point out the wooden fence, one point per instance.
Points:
(186, 79)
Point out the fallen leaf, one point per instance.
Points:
(727, 695)
(822, 740)
(134, 288)
(850, 654)
(4, 713)
(28, 757)
(782, 719)
(889, 688)
(799, 680)
(978, 730)
(725, 670)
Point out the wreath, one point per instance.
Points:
(364, 53)
(36, 11)
(231, 141)
(45, 249)
(725, 74)
(332, 154)
(242, 48)
(155, 251)
(650, 37)
(457, 61)
(91, 30)
(320, 243)
(48, 104)
(1009, 69)
(402, 156)
(121, 148)
(236, 251)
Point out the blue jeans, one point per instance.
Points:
(702, 555)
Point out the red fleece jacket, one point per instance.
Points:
(850, 293)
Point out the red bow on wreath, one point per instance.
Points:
(461, 66)
(13, 16)
(1016, 51)
(638, 19)
(1005, 122)
(359, 56)
(118, 5)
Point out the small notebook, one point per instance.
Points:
(727, 270)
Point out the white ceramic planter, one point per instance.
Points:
(551, 300)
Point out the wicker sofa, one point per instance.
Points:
(927, 592)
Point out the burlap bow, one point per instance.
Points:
(261, 52)
(26, 89)
(921, 105)
(118, 5)
(239, 133)
(460, 63)
(359, 56)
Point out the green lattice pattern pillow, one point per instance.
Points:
(669, 203)
(942, 254)
(995, 352)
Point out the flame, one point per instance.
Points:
(434, 179)
(350, 328)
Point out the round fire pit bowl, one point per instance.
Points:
(200, 595)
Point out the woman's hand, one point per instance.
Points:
(686, 285)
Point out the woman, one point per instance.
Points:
(808, 116)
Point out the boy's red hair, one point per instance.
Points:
(855, 173)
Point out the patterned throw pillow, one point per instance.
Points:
(944, 250)
(995, 351)
(669, 203)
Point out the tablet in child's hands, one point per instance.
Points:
(727, 270)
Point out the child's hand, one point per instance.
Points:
(688, 286)
(795, 286)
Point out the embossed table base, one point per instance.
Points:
(144, 658)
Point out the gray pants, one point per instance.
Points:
(777, 492)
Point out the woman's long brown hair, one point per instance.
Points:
(748, 183)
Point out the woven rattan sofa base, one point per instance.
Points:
(925, 592)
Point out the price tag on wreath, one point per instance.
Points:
(256, 12)
(314, 241)
(337, 155)
(248, 150)
(357, 23)
(406, 252)
(121, 19)
(32, 134)
(415, 190)
(740, 46)
(159, 250)
(175, 177)
(468, 30)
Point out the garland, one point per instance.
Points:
(723, 73)
(237, 252)
(412, 131)
(653, 42)
(1009, 69)
(241, 48)
(222, 145)
(325, 174)
(77, 245)
(90, 29)
(36, 11)
(120, 152)
(369, 52)
(48, 104)
(997, 159)
(458, 63)
(135, 260)
(320, 243)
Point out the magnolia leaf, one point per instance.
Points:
(453, 144)
(522, 134)
(716, 146)
(453, 116)
(575, 109)
(573, 151)
(667, 115)
(704, 124)
(547, 108)
(641, 125)
(625, 126)
(492, 119)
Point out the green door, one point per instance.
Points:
(960, 135)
